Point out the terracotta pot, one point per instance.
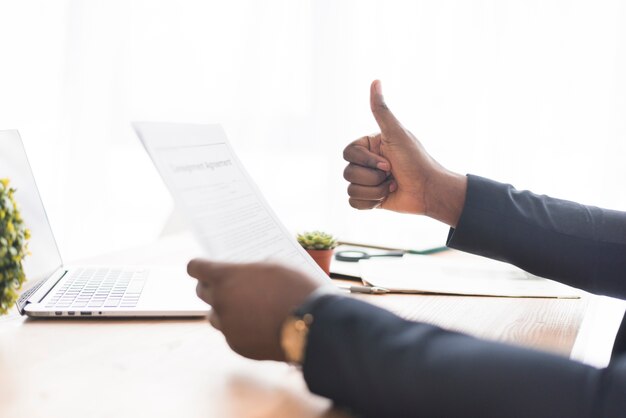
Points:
(322, 258)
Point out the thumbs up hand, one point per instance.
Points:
(392, 170)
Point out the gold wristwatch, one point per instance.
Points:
(293, 337)
(295, 330)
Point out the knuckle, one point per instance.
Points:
(348, 172)
(217, 306)
(357, 192)
(355, 154)
(371, 162)
(360, 204)
(381, 176)
(348, 152)
(366, 193)
(381, 191)
(199, 290)
(191, 267)
(214, 320)
(363, 176)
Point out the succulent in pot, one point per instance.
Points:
(320, 246)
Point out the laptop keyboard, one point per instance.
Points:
(100, 288)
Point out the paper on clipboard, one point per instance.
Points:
(230, 217)
(476, 276)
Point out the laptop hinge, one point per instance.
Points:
(23, 300)
(39, 290)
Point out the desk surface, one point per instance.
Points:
(164, 368)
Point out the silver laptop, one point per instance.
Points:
(55, 290)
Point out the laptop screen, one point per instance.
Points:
(45, 258)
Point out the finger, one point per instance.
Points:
(214, 320)
(364, 204)
(370, 142)
(374, 142)
(359, 154)
(197, 267)
(357, 174)
(385, 119)
(379, 192)
(365, 152)
(209, 271)
(204, 292)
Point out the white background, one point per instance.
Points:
(527, 92)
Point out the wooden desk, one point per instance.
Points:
(183, 368)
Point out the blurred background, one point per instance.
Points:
(531, 93)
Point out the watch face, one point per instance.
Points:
(294, 337)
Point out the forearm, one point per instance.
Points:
(584, 246)
(377, 364)
(445, 196)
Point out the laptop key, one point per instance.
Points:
(136, 286)
(95, 288)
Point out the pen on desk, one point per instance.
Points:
(428, 251)
(425, 251)
(372, 290)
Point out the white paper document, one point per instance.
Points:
(467, 276)
(230, 217)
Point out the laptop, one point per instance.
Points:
(56, 290)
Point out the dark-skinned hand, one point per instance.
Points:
(251, 302)
(392, 170)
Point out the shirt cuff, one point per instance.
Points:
(311, 302)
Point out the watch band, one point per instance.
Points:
(295, 330)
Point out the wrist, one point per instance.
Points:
(295, 329)
(445, 196)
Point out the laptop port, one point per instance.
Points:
(71, 313)
(58, 313)
(86, 313)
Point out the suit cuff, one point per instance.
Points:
(473, 233)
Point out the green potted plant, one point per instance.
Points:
(320, 246)
(14, 238)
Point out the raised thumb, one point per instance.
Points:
(385, 119)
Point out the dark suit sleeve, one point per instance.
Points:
(583, 246)
(379, 365)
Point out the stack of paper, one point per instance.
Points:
(464, 276)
